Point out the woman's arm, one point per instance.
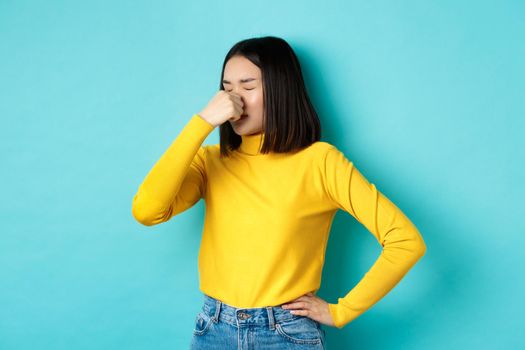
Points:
(178, 179)
(402, 243)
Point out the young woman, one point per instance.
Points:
(271, 189)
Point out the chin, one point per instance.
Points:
(246, 132)
(242, 130)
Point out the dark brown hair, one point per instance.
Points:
(290, 121)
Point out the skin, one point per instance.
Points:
(310, 305)
(251, 93)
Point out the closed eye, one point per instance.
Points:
(244, 89)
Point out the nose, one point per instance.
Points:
(238, 92)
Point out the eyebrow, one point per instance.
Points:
(240, 80)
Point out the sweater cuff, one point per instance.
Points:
(201, 123)
(341, 315)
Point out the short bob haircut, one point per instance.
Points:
(290, 121)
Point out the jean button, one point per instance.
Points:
(243, 315)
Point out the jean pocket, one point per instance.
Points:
(301, 330)
(202, 323)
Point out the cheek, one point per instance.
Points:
(255, 101)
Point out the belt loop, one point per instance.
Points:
(271, 320)
(217, 311)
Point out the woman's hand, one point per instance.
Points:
(222, 107)
(312, 306)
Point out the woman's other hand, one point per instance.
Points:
(310, 305)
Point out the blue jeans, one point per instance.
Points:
(219, 326)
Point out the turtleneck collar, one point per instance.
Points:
(251, 144)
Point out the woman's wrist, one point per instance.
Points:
(206, 119)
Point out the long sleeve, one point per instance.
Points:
(178, 179)
(402, 243)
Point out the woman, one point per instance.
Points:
(271, 189)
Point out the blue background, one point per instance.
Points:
(423, 96)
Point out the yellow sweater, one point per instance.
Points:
(268, 218)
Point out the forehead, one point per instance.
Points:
(238, 68)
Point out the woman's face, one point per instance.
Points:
(243, 77)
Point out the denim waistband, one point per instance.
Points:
(269, 315)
